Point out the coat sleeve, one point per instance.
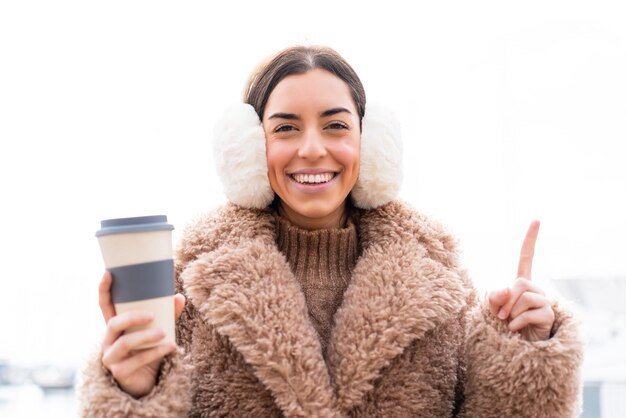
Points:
(507, 376)
(99, 395)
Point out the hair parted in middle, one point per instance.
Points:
(300, 60)
(239, 140)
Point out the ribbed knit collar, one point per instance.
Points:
(322, 258)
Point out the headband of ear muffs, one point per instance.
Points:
(241, 162)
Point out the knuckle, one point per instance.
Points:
(122, 344)
(493, 297)
(105, 358)
(516, 312)
(517, 324)
(115, 370)
(523, 283)
(114, 324)
(527, 297)
(523, 317)
(121, 373)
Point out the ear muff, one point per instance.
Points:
(380, 175)
(241, 162)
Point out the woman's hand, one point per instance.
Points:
(524, 304)
(135, 371)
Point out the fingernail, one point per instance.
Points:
(502, 314)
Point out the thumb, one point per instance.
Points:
(179, 305)
(498, 298)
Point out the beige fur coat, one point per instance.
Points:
(411, 338)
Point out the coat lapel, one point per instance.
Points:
(248, 293)
(404, 284)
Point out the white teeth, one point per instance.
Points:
(313, 178)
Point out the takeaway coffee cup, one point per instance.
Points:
(138, 253)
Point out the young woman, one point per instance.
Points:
(314, 293)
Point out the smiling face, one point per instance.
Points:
(313, 141)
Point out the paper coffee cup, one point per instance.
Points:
(138, 253)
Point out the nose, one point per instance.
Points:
(312, 146)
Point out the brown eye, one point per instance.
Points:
(284, 128)
(337, 125)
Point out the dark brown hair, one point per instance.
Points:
(299, 60)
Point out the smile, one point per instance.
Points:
(313, 183)
(313, 178)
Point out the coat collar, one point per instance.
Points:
(404, 284)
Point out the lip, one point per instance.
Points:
(313, 171)
(313, 188)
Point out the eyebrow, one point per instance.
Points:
(324, 114)
(290, 116)
(334, 111)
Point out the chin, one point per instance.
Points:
(317, 208)
(316, 211)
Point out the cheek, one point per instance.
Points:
(350, 155)
(278, 157)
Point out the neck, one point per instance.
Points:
(335, 219)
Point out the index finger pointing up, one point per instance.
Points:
(528, 251)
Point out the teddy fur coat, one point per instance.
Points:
(411, 338)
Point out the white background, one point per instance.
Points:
(511, 111)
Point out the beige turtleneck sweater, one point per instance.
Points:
(322, 261)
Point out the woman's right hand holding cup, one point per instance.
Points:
(134, 370)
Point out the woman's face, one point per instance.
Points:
(313, 141)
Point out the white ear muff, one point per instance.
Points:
(239, 155)
(380, 175)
